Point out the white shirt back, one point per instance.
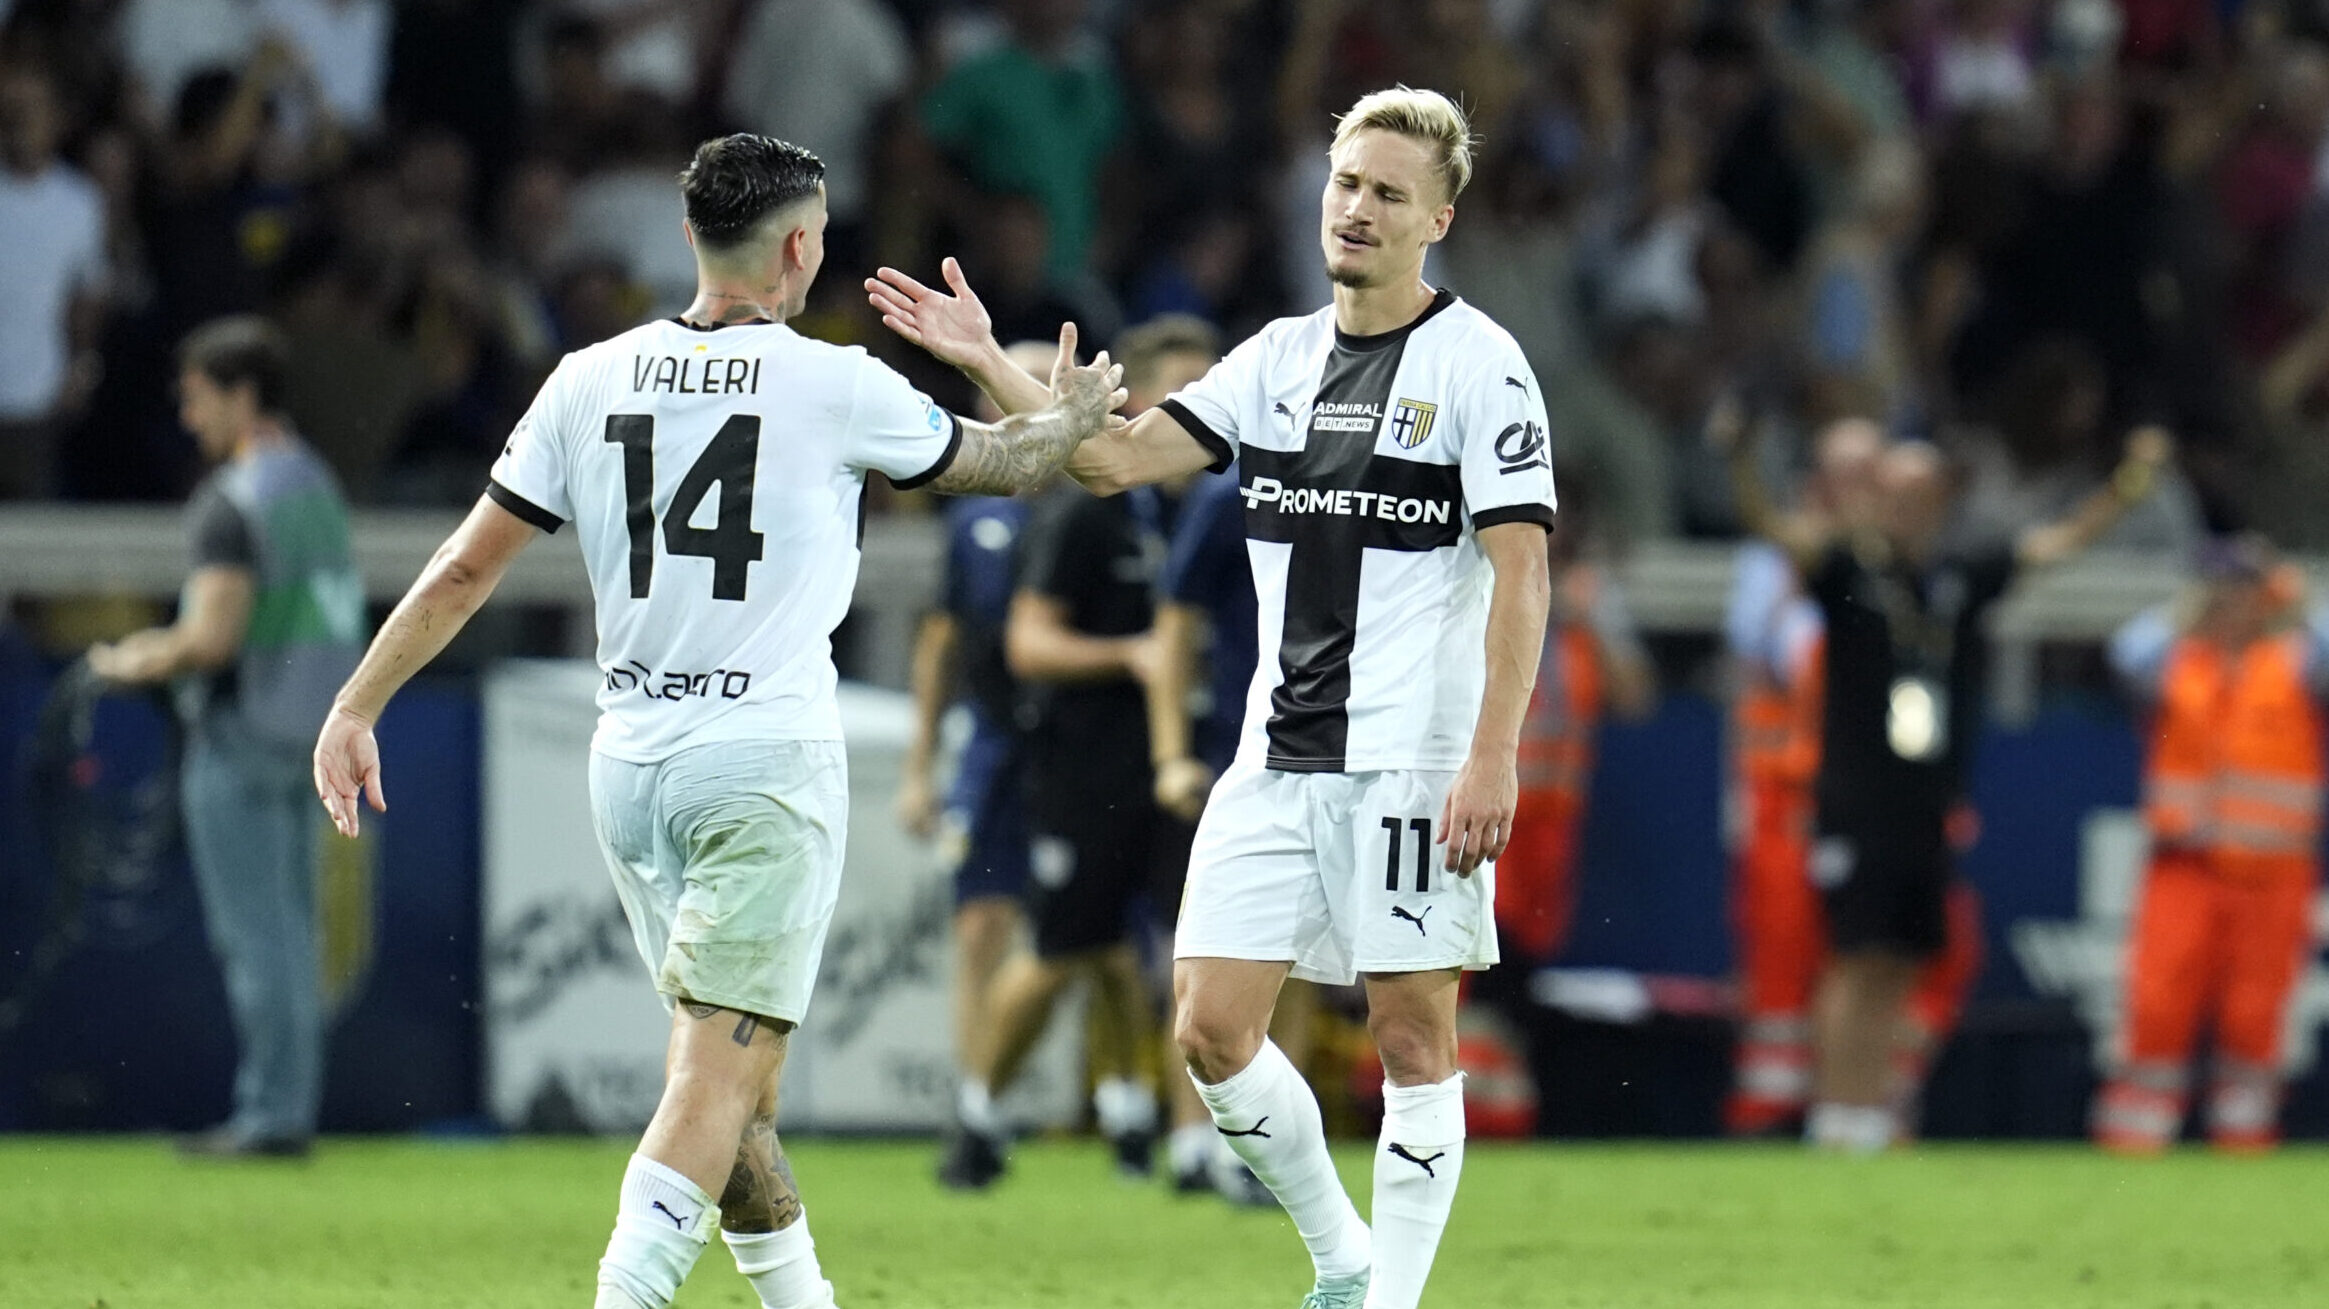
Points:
(717, 479)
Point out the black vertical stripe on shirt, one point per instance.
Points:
(1309, 725)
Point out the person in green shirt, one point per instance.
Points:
(1036, 115)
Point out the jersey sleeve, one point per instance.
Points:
(896, 430)
(1212, 407)
(529, 479)
(217, 534)
(1507, 455)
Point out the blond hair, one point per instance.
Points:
(1426, 116)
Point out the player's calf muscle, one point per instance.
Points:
(761, 1195)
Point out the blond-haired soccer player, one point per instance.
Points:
(1397, 486)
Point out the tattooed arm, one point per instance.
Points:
(1021, 451)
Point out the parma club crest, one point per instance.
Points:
(1411, 423)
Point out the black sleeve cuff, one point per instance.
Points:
(522, 508)
(1223, 453)
(945, 460)
(1540, 514)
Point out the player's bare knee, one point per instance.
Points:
(1215, 1046)
(1415, 1049)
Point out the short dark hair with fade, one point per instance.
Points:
(244, 349)
(735, 182)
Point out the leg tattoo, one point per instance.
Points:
(761, 1195)
(745, 1027)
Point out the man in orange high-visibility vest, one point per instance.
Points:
(1592, 663)
(2236, 677)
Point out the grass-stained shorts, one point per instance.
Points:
(727, 857)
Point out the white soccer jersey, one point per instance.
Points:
(1367, 465)
(716, 477)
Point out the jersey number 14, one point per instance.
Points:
(729, 463)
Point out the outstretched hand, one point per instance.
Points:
(347, 764)
(955, 328)
(1094, 390)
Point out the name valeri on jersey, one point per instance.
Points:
(1359, 504)
(686, 375)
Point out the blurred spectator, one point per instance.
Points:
(1011, 244)
(343, 44)
(1753, 168)
(1036, 115)
(2048, 451)
(1854, 324)
(52, 224)
(453, 63)
(627, 208)
(2263, 190)
(582, 113)
(229, 205)
(166, 42)
(821, 73)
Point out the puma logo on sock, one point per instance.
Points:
(1417, 919)
(676, 1220)
(1424, 1164)
(1255, 1130)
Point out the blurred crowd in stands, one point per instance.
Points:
(2021, 227)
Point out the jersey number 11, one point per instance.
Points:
(729, 462)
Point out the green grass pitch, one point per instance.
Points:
(123, 1223)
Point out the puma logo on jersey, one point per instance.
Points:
(1361, 504)
(1255, 1130)
(1424, 1164)
(1521, 447)
(1514, 381)
(676, 1221)
(1280, 407)
(1417, 919)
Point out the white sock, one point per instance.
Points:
(974, 1105)
(1191, 1147)
(1268, 1115)
(1123, 1106)
(662, 1222)
(1416, 1171)
(1849, 1128)
(782, 1266)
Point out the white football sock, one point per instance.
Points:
(974, 1106)
(662, 1222)
(1270, 1118)
(1123, 1106)
(782, 1266)
(1416, 1171)
(1850, 1128)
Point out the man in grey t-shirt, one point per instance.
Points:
(268, 625)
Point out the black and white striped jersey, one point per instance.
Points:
(1367, 466)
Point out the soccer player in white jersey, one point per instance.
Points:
(1397, 487)
(714, 466)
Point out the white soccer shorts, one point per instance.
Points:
(1336, 873)
(727, 857)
